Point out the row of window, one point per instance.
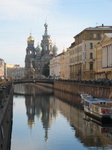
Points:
(90, 36)
(76, 50)
(98, 36)
(79, 58)
(79, 67)
(75, 59)
(79, 49)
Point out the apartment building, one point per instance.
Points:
(83, 54)
(62, 65)
(67, 64)
(15, 71)
(2, 65)
(55, 67)
(59, 66)
(104, 57)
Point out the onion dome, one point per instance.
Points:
(38, 48)
(31, 123)
(45, 25)
(30, 39)
(54, 48)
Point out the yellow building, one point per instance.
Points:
(15, 71)
(82, 52)
(62, 65)
(67, 64)
(104, 57)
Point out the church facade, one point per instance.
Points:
(36, 58)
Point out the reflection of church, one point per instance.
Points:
(41, 105)
(37, 57)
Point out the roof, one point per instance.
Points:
(100, 28)
(98, 100)
(59, 54)
(72, 45)
(95, 28)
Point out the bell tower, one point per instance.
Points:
(30, 56)
(46, 42)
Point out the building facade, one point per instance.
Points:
(62, 65)
(15, 71)
(2, 67)
(104, 57)
(55, 67)
(67, 64)
(59, 66)
(82, 52)
(36, 58)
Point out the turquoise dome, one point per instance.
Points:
(38, 48)
(54, 49)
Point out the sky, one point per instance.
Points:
(65, 19)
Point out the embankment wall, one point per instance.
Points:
(6, 113)
(76, 88)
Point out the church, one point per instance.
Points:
(37, 58)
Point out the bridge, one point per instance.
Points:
(52, 81)
(48, 81)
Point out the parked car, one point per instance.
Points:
(109, 82)
(101, 81)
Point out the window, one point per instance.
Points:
(91, 45)
(91, 35)
(91, 55)
(91, 66)
(98, 36)
(46, 48)
(91, 75)
(102, 103)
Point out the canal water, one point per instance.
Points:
(44, 119)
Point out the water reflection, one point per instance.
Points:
(40, 103)
(44, 107)
(31, 89)
(89, 131)
(96, 134)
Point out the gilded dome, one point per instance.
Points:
(30, 39)
(31, 123)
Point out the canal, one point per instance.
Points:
(44, 119)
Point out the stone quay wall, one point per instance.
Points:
(6, 109)
(78, 88)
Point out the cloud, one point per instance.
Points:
(19, 9)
